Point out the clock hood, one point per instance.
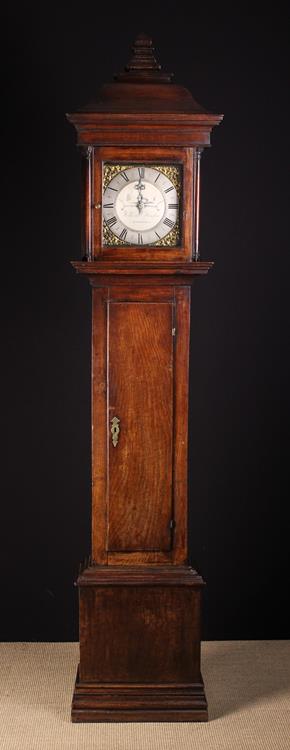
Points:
(144, 89)
(144, 97)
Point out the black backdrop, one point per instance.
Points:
(234, 63)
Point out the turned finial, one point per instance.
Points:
(143, 66)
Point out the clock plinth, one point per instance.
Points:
(140, 645)
(140, 601)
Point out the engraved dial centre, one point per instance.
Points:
(138, 210)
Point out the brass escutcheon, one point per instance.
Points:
(115, 430)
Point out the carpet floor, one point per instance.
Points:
(247, 685)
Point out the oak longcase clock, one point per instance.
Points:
(139, 599)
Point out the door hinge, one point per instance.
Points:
(173, 331)
(172, 524)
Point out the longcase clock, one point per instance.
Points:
(139, 599)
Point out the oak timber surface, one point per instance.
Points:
(141, 395)
(128, 269)
(136, 637)
(146, 636)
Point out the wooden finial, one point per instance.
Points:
(143, 55)
(143, 66)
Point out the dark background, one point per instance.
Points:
(234, 63)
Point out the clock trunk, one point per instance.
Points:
(140, 379)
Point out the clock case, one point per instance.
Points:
(139, 599)
(147, 157)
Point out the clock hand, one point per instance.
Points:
(147, 202)
(140, 202)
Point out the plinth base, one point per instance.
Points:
(139, 645)
(117, 703)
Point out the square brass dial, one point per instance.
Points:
(141, 204)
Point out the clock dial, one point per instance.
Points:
(140, 205)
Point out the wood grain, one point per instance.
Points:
(149, 702)
(136, 272)
(140, 603)
(139, 558)
(180, 452)
(158, 642)
(145, 575)
(139, 645)
(140, 351)
(86, 201)
(99, 425)
(182, 156)
(140, 375)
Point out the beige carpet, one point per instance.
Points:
(247, 684)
